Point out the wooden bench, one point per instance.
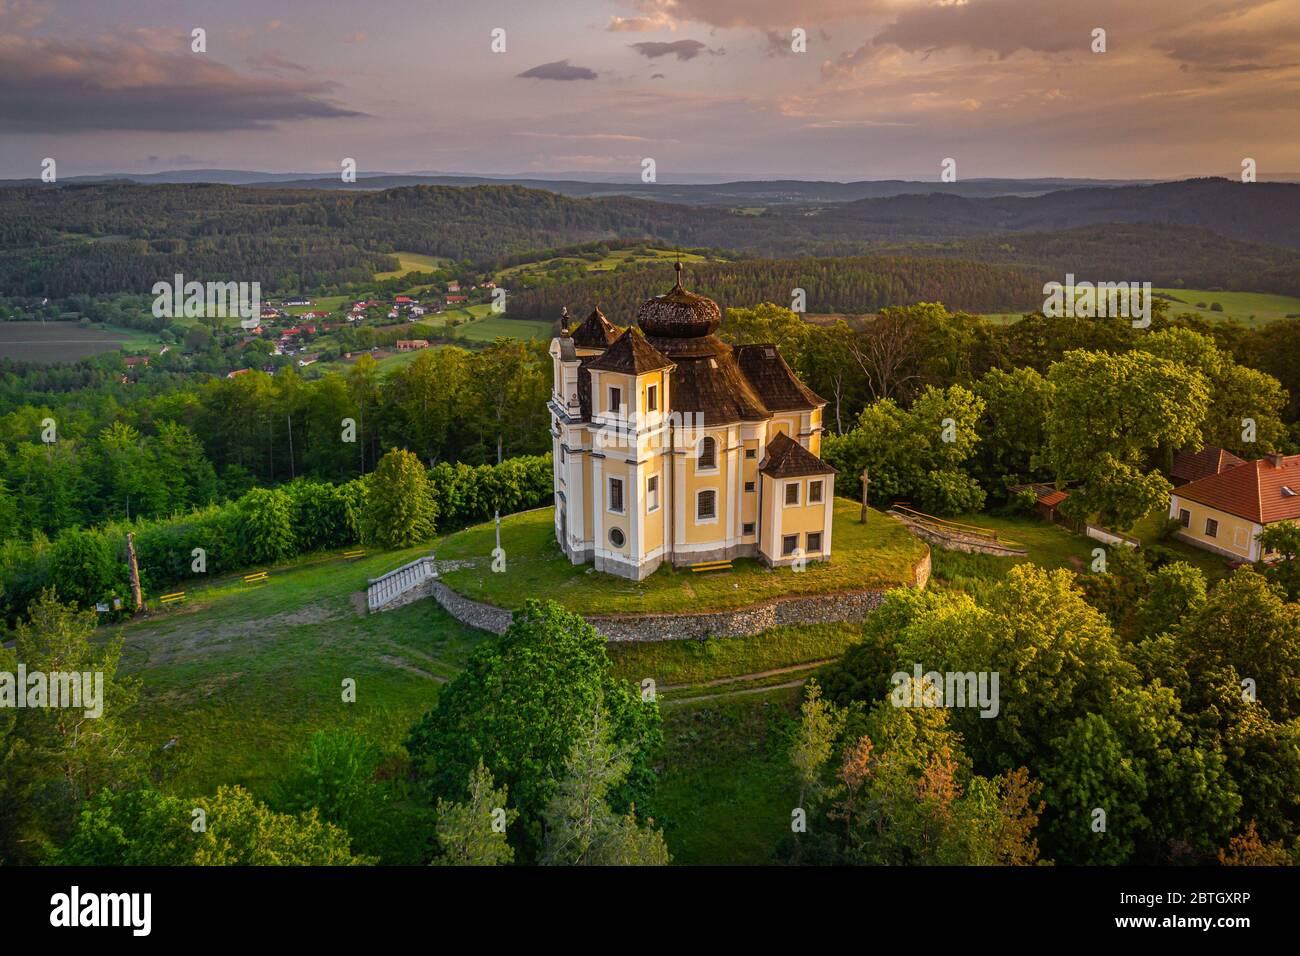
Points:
(172, 598)
(257, 577)
(711, 566)
(359, 553)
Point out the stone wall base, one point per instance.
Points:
(778, 612)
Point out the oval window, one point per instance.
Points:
(616, 537)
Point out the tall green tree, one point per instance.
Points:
(520, 706)
(582, 829)
(400, 507)
(1111, 415)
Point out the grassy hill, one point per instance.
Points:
(241, 676)
(879, 554)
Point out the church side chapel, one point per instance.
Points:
(670, 445)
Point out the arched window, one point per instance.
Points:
(706, 505)
(708, 454)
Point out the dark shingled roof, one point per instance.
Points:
(774, 380)
(631, 354)
(709, 378)
(679, 313)
(786, 458)
(1210, 460)
(597, 332)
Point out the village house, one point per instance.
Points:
(411, 345)
(1226, 511)
(673, 446)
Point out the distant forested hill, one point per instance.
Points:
(1162, 254)
(858, 284)
(119, 237)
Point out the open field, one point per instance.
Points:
(1249, 308)
(241, 676)
(412, 262)
(613, 260)
(51, 342)
(879, 554)
(490, 326)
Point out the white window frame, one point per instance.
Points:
(609, 496)
(808, 548)
(821, 491)
(699, 454)
(614, 406)
(798, 494)
(652, 398)
(651, 494)
(698, 493)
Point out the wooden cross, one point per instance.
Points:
(866, 481)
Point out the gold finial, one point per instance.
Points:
(678, 268)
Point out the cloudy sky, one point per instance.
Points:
(885, 89)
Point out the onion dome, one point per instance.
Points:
(679, 314)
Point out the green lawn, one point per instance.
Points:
(726, 787)
(487, 325)
(693, 662)
(324, 303)
(1054, 546)
(879, 554)
(241, 676)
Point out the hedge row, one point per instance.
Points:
(265, 526)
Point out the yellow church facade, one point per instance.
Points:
(670, 445)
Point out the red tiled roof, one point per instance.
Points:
(1253, 490)
(1052, 498)
(1210, 460)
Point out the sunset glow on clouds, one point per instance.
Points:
(887, 88)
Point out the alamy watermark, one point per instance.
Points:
(60, 689)
(949, 689)
(1088, 300)
(194, 300)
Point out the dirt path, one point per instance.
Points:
(732, 693)
(757, 675)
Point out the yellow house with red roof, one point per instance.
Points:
(1226, 511)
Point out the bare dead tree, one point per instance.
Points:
(887, 351)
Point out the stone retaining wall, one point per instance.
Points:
(969, 545)
(809, 609)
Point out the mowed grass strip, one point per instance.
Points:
(691, 663)
(880, 554)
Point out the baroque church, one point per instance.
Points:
(670, 445)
